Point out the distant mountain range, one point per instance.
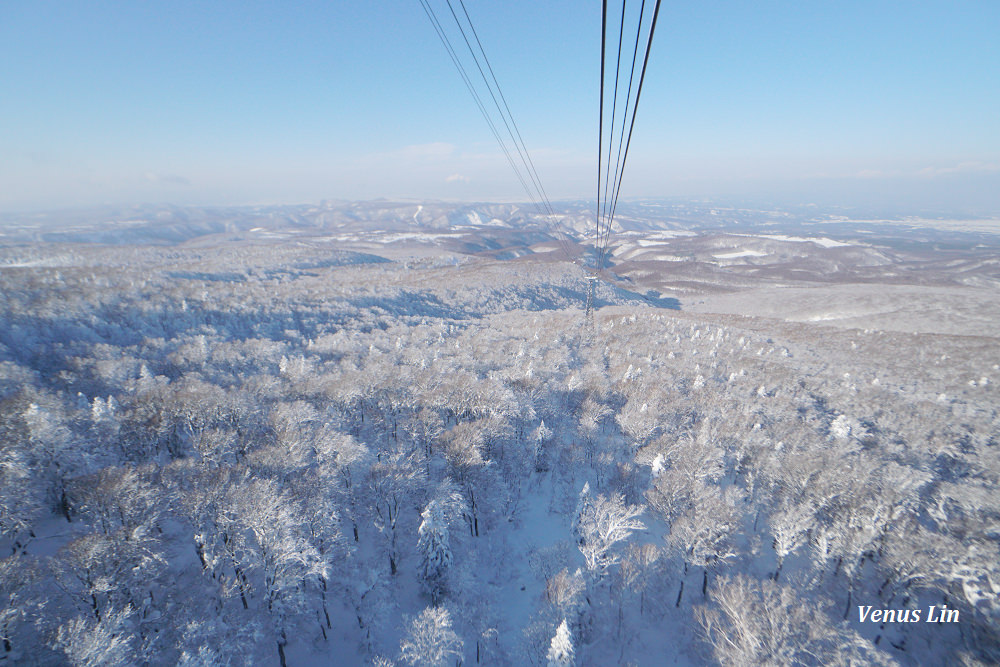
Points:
(166, 224)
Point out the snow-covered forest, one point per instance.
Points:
(285, 454)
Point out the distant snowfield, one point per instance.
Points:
(820, 240)
(670, 234)
(740, 253)
(15, 265)
(55, 261)
(904, 308)
(383, 238)
(644, 246)
(980, 225)
(425, 237)
(645, 249)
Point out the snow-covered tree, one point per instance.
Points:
(270, 542)
(52, 453)
(539, 440)
(703, 534)
(433, 542)
(393, 481)
(104, 642)
(561, 652)
(435, 551)
(19, 499)
(790, 526)
(763, 623)
(430, 639)
(601, 523)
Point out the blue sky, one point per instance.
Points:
(259, 102)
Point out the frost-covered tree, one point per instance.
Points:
(433, 541)
(638, 570)
(394, 480)
(430, 639)
(104, 642)
(203, 657)
(100, 573)
(601, 523)
(790, 527)
(18, 597)
(564, 591)
(703, 534)
(762, 623)
(435, 551)
(638, 419)
(270, 542)
(540, 438)
(465, 451)
(116, 498)
(52, 453)
(561, 652)
(19, 499)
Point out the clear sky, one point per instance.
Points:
(280, 102)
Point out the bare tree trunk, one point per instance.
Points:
(326, 612)
(241, 582)
(64, 506)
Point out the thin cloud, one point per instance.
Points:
(961, 168)
(457, 178)
(172, 179)
(431, 151)
(872, 174)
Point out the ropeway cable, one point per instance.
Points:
(535, 191)
(621, 134)
(518, 141)
(611, 139)
(432, 16)
(605, 226)
(515, 133)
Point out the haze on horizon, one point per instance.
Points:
(227, 103)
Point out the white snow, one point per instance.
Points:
(740, 253)
(415, 236)
(820, 241)
(670, 234)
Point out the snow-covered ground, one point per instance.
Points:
(904, 308)
(740, 253)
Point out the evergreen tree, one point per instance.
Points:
(435, 551)
(561, 649)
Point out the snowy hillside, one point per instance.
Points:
(386, 433)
